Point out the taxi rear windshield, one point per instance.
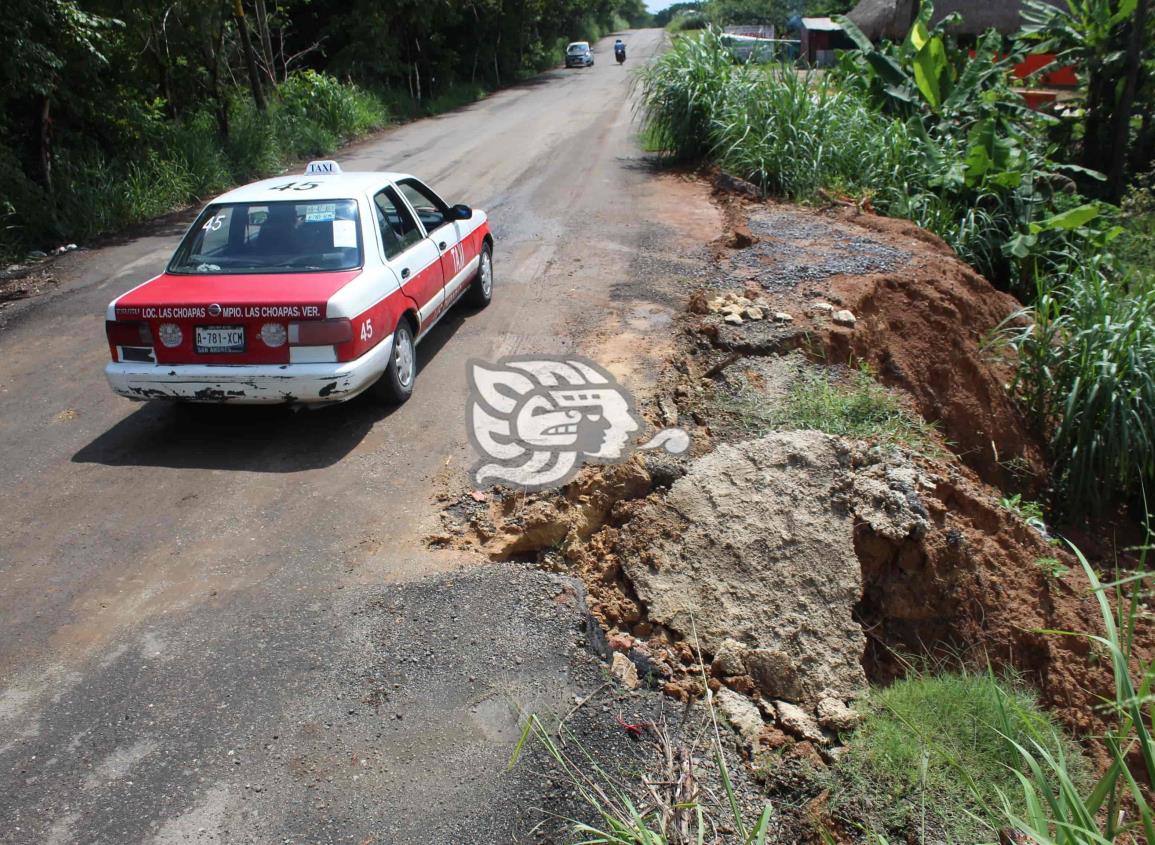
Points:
(271, 237)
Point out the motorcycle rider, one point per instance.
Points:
(619, 50)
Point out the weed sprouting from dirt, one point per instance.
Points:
(674, 808)
(852, 405)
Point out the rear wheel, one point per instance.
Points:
(396, 383)
(481, 291)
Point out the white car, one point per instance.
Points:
(579, 54)
(301, 289)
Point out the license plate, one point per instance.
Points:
(220, 339)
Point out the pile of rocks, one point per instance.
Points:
(841, 316)
(749, 306)
(762, 715)
(738, 308)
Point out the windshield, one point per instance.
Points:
(272, 237)
(578, 48)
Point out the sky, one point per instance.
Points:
(658, 5)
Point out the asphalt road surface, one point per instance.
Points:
(227, 627)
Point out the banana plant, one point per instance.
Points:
(926, 75)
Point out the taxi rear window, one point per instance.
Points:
(272, 237)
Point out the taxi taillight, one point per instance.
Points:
(321, 332)
(128, 332)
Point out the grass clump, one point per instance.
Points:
(850, 405)
(936, 755)
(857, 407)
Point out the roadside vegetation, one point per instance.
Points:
(113, 112)
(851, 404)
(924, 130)
(937, 753)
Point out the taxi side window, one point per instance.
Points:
(399, 230)
(432, 210)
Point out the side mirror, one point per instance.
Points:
(460, 212)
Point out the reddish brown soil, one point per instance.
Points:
(923, 330)
(922, 325)
(972, 589)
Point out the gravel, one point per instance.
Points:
(794, 248)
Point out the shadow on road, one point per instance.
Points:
(252, 438)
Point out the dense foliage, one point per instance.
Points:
(114, 111)
(926, 131)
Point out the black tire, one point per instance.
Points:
(396, 384)
(481, 291)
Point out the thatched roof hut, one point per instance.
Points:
(892, 18)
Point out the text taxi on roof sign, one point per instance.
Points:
(301, 290)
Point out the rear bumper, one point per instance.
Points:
(305, 384)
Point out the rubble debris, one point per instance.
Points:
(730, 658)
(625, 671)
(775, 673)
(834, 715)
(844, 318)
(741, 712)
(798, 723)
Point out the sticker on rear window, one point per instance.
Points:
(344, 233)
(320, 213)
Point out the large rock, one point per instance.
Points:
(755, 544)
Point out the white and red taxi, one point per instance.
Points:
(301, 289)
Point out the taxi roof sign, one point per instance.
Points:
(322, 168)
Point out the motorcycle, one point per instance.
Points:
(620, 54)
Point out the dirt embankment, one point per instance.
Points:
(922, 319)
(805, 565)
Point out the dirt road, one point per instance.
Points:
(229, 629)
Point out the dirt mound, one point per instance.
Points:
(808, 566)
(921, 319)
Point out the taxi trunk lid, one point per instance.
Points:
(227, 319)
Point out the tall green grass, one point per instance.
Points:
(1086, 353)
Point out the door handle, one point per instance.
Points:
(441, 246)
(405, 273)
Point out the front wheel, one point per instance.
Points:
(396, 384)
(481, 291)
